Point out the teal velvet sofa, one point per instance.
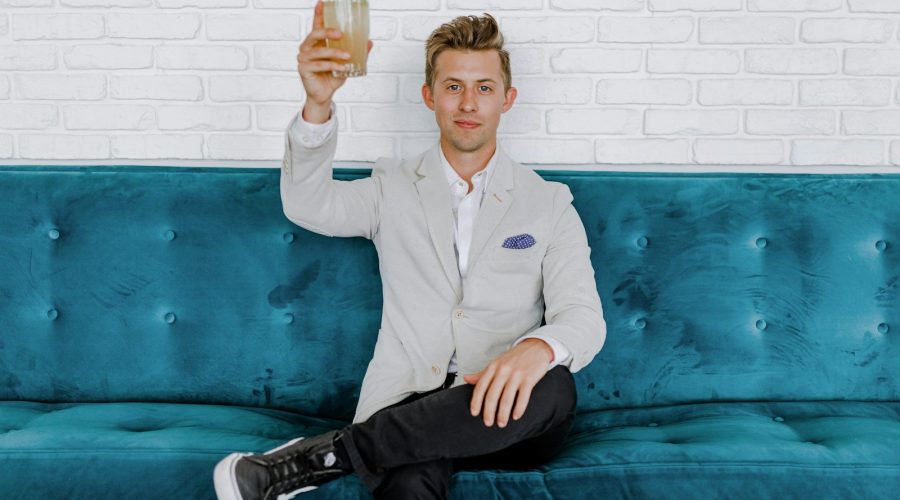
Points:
(155, 319)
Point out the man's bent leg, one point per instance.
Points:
(527, 454)
(449, 429)
(440, 426)
(421, 481)
(431, 480)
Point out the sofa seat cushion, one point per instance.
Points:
(833, 449)
(123, 449)
(837, 449)
(724, 450)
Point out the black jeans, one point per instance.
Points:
(410, 449)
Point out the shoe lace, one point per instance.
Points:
(287, 472)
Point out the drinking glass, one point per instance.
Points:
(351, 17)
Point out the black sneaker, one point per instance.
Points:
(295, 467)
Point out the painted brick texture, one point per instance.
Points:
(601, 83)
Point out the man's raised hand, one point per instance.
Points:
(315, 62)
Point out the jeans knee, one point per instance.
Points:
(560, 384)
(427, 480)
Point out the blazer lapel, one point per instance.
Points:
(496, 202)
(434, 195)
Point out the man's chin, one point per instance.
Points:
(467, 146)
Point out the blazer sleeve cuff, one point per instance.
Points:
(313, 135)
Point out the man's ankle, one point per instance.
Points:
(343, 458)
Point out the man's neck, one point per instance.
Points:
(467, 164)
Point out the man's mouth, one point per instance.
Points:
(466, 124)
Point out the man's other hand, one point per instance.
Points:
(509, 379)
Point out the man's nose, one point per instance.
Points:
(469, 102)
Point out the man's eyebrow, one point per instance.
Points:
(482, 80)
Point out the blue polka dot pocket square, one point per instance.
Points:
(519, 242)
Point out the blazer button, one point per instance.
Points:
(436, 370)
(460, 314)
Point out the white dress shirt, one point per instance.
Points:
(465, 212)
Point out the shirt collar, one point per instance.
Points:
(479, 180)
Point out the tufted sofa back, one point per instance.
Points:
(189, 285)
(179, 285)
(740, 287)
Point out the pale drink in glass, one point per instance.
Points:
(351, 17)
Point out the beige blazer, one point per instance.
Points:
(429, 311)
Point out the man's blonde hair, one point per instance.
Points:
(467, 33)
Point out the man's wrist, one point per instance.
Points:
(316, 113)
(547, 348)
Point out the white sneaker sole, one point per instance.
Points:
(224, 478)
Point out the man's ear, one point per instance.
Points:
(510, 98)
(428, 96)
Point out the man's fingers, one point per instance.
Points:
(322, 66)
(492, 398)
(317, 37)
(322, 54)
(319, 16)
(478, 392)
(522, 400)
(506, 401)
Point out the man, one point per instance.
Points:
(474, 249)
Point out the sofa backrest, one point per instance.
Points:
(743, 287)
(190, 285)
(180, 285)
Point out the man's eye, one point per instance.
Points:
(453, 87)
(485, 88)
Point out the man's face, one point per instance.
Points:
(468, 98)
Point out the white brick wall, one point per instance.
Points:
(603, 84)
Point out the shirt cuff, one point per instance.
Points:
(560, 353)
(313, 135)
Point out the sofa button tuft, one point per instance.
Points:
(53, 314)
(761, 324)
(170, 318)
(169, 235)
(881, 245)
(883, 328)
(643, 242)
(53, 234)
(640, 323)
(652, 424)
(762, 243)
(778, 419)
(288, 318)
(288, 237)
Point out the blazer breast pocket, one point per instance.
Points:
(518, 261)
(516, 274)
